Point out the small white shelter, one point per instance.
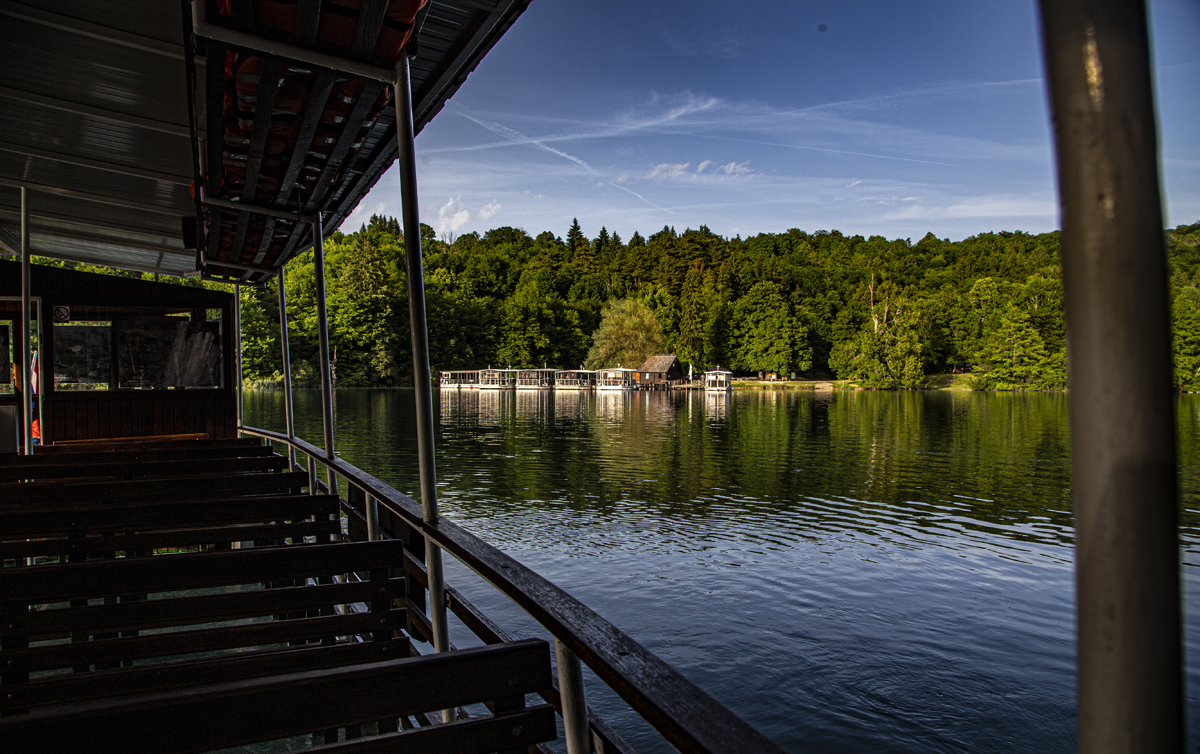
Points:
(718, 380)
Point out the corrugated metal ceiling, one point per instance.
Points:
(94, 121)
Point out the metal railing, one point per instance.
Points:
(685, 715)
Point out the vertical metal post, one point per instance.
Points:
(574, 706)
(1097, 57)
(289, 410)
(420, 351)
(237, 334)
(372, 518)
(27, 324)
(323, 337)
(312, 475)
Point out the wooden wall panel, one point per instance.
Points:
(98, 415)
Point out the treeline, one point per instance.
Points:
(884, 313)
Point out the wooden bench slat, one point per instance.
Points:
(279, 706)
(48, 657)
(185, 467)
(144, 444)
(513, 732)
(177, 488)
(324, 531)
(38, 460)
(139, 514)
(58, 583)
(127, 440)
(159, 677)
(181, 611)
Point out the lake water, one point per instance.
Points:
(847, 571)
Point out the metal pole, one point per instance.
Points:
(323, 334)
(574, 706)
(237, 330)
(372, 518)
(1097, 56)
(420, 351)
(289, 411)
(27, 321)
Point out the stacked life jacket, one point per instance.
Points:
(276, 19)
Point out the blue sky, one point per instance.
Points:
(871, 117)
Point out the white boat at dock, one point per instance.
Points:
(718, 380)
(575, 379)
(617, 378)
(459, 380)
(535, 379)
(497, 379)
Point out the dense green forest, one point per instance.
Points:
(884, 313)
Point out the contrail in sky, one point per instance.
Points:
(516, 137)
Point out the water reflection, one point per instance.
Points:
(573, 405)
(716, 405)
(847, 570)
(534, 405)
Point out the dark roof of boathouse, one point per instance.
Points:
(660, 364)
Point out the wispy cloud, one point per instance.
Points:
(667, 170)
(832, 128)
(516, 137)
(453, 215)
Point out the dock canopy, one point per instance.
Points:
(135, 124)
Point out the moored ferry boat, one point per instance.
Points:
(497, 379)
(459, 380)
(616, 378)
(575, 379)
(535, 379)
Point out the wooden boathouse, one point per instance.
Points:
(171, 583)
(660, 371)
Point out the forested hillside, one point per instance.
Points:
(883, 312)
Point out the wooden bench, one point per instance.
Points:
(198, 603)
(142, 443)
(128, 440)
(173, 489)
(280, 706)
(89, 529)
(191, 451)
(136, 465)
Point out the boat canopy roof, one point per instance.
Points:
(111, 112)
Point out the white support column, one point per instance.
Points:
(237, 361)
(574, 706)
(289, 410)
(420, 352)
(27, 325)
(323, 336)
